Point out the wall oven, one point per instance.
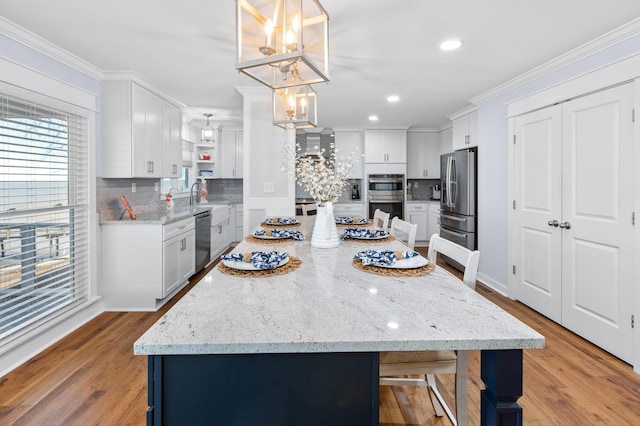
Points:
(386, 192)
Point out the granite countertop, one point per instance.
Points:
(327, 305)
(163, 217)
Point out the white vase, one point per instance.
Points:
(325, 231)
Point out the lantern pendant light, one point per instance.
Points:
(208, 132)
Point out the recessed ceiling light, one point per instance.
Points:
(393, 98)
(373, 118)
(451, 44)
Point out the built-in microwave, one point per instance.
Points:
(386, 192)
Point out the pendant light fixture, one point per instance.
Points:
(208, 132)
(282, 43)
(295, 107)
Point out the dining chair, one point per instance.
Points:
(409, 229)
(429, 363)
(381, 219)
(306, 208)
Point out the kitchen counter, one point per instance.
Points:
(163, 217)
(325, 322)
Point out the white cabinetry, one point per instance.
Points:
(136, 140)
(465, 131)
(385, 146)
(231, 143)
(144, 264)
(349, 209)
(220, 230)
(171, 141)
(178, 254)
(349, 144)
(417, 214)
(423, 157)
(433, 219)
(206, 166)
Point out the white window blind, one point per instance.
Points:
(44, 217)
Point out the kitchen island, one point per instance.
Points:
(303, 348)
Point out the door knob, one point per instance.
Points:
(553, 223)
(565, 225)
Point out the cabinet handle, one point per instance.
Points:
(174, 168)
(565, 225)
(220, 229)
(553, 223)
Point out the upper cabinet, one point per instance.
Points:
(349, 144)
(423, 156)
(230, 154)
(140, 133)
(465, 131)
(385, 146)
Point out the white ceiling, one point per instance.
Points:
(377, 48)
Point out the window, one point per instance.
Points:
(44, 215)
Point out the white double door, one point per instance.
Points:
(573, 237)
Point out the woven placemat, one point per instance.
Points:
(290, 225)
(354, 225)
(370, 241)
(414, 272)
(250, 238)
(291, 265)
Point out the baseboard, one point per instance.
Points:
(494, 285)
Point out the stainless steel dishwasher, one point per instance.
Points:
(203, 239)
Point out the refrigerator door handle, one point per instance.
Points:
(448, 180)
(456, 234)
(457, 219)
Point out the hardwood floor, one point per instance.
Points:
(91, 377)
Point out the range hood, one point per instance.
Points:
(312, 145)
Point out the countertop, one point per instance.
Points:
(164, 217)
(327, 305)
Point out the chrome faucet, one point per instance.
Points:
(196, 183)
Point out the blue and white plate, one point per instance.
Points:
(281, 221)
(350, 220)
(364, 234)
(260, 260)
(388, 259)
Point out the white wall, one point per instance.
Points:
(492, 158)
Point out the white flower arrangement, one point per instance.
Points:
(323, 178)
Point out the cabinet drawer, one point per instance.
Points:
(219, 214)
(177, 228)
(412, 207)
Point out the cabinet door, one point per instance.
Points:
(416, 146)
(433, 216)
(171, 260)
(460, 127)
(431, 157)
(229, 154)
(419, 218)
(171, 141)
(396, 146)
(349, 144)
(147, 113)
(188, 255)
(472, 129)
(375, 146)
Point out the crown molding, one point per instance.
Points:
(462, 112)
(39, 44)
(611, 38)
(144, 82)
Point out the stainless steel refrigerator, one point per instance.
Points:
(458, 204)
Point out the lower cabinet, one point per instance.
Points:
(433, 219)
(143, 264)
(239, 222)
(417, 214)
(221, 227)
(349, 209)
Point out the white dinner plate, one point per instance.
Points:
(270, 221)
(268, 237)
(410, 263)
(248, 266)
(371, 237)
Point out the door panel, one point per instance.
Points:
(597, 250)
(538, 173)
